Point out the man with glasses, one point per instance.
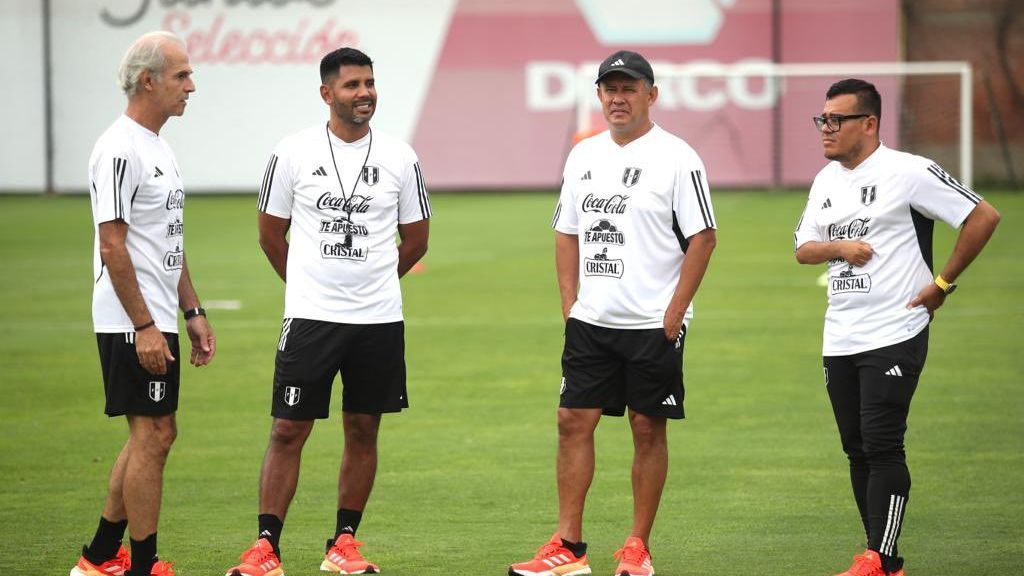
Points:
(870, 215)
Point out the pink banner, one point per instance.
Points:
(500, 111)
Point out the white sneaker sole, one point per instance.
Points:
(581, 572)
(77, 572)
(329, 567)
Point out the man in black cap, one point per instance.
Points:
(634, 232)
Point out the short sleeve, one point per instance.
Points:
(565, 219)
(806, 228)
(114, 179)
(939, 196)
(413, 199)
(691, 202)
(277, 188)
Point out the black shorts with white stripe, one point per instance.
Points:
(310, 353)
(128, 387)
(611, 368)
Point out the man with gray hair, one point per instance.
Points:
(140, 280)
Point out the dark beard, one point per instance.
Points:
(350, 117)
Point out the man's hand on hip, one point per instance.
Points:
(931, 297)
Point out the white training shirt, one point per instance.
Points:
(890, 201)
(632, 207)
(342, 256)
(134, 177)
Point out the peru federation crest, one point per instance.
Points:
(157, 391)
(630, 176)
(867, 194)
(371, 175)
(291, 395)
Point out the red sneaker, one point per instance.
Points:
(161, 568)
(552, 559)
(634, 559)
(868, 564)
(259, 560)
(116, 566)
(343, 557)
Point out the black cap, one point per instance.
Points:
(629, 63)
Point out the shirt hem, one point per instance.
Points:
(129, 328)
(859, 350)
(646, 326)
(347, 320)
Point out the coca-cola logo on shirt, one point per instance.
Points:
(614, 205)
(352, 204)
(176, 199)
(857, 228)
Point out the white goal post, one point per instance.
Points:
(774, 76)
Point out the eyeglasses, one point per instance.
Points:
(835, 121)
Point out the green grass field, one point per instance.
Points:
(757, 485)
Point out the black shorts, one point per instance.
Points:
(370, 358)
(128, 387)
(612, 368)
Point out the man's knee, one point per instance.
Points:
(853, 446)
(361, 429)
(290, 433)
(880, 457)
(647, 430)
(153, 434)
(574, 424)
(884, 446)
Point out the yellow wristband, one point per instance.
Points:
(942, 284)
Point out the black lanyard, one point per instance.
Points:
(330, 146)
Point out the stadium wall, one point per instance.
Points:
(990, 35)
(484, 89)
(23, 160)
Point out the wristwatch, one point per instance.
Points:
(947, 287)
(193, 312)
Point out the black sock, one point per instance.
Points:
(348, 521)
(143, 555)
(577, 548)
(106, 541)
(270, 528)
(891, 564)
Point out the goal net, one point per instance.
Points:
(751, 121)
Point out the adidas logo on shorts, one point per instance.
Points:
(894, 371)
